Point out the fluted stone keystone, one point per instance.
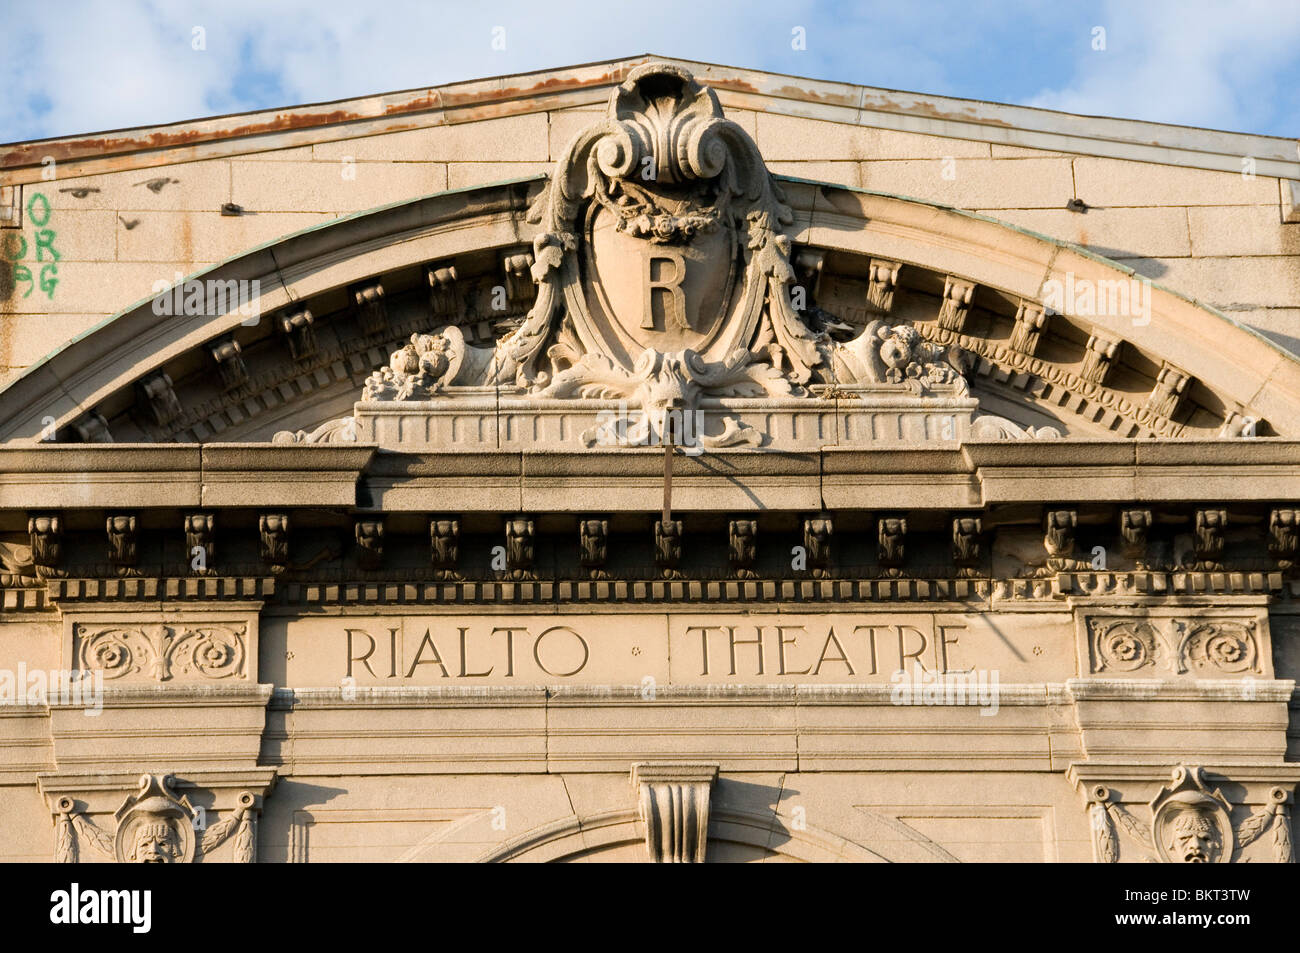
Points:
(674, 806)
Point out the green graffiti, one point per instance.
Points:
(45, 242)
(23, 273)
(14, 247)
(44, 216)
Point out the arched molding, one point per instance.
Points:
(1235, 373)
(574, 836)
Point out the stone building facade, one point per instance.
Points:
(649, 461)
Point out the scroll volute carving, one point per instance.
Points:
(299, 334)
(957, 295)
(1098, 358)
(157, 400)
(1171, 383)
(371, 308)
(520, 289)
(1030, 320)
(882, 280)
(443, 298)
(230, 362)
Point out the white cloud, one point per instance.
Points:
(93, 66)
(1191, 62)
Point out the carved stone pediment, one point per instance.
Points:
(665, 286)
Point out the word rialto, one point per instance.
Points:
(557, 651)
(74, 905)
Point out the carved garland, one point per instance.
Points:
(155, 826)
(1190, 823)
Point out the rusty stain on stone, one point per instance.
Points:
(920, 107)
(33, 153)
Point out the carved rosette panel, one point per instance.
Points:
(1125, 645)
(205, 652)
(1206, 648)
(1217, 647)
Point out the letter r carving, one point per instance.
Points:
(675, 302)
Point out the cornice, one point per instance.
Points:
(957, 476)
(589, 84)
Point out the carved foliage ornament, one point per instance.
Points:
(664, 277)
(163, 652)
(1206, 647)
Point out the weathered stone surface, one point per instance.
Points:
(467, 606)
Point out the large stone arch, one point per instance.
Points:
(733, 836)
(1219, 377)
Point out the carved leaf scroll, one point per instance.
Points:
(163, 652)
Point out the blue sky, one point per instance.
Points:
(77, 66)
